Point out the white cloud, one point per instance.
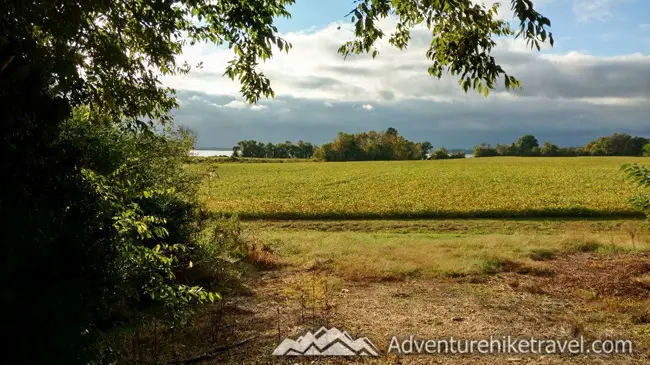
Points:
(236, 104)
(315, 89)
(313, 70)
(596, 10)
(258, 107)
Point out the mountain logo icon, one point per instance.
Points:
(326, 342)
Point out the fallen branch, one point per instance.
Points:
(210, 354)
(6, 63)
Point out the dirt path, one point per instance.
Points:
(596, 296)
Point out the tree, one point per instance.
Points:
(462, 35)
(484, 150)
(426, 147)
(369, 146)
(440, 154)
(526, 144)
(270, 150)
(549, 149)
(646, 149)
(618, 144)
(95, 62)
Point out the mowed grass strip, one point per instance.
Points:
(479, 187)
(384, 256)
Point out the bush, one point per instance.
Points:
(104, 225)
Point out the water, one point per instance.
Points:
(208, 153)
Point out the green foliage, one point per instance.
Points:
(107, 239)
(462, 32)
(526, 145)
(111, 54)
(149, 211)
(443, 154)
(484, 150)
(619, 144)
(370, 146)
(639, 174)
(549, 149)
(440, 154)
(301, 150)
(426, 147)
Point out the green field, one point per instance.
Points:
(479, 187)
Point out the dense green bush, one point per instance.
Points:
(639, 174)
(107, 240)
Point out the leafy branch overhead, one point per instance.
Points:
(111, 54)
(462, 35)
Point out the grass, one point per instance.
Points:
(457, 226)
(495, 187)
(364, 256)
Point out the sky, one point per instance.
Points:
(594, 82)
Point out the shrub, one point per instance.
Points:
(104, 223)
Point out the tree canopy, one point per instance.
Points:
(618, 144)
(372, 146)
(111, 54)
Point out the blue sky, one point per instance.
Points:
(594, 82)
(608, 27)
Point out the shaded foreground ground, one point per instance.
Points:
(596, 286)
(512, 304)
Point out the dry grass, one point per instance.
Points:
(290, 303)
(591, 283)
(381, 256)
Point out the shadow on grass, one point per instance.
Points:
(531, 214)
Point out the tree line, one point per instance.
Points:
(618, 144)
(372, 146)
(251, 148)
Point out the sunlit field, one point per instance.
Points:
(479, 187)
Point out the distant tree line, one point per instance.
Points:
(372, 146)
(618, 144)
(250, 148)
(444, 154)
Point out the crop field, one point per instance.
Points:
(479, 187)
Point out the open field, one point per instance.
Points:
(511, 253)
(591, 280)
(492, 187)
